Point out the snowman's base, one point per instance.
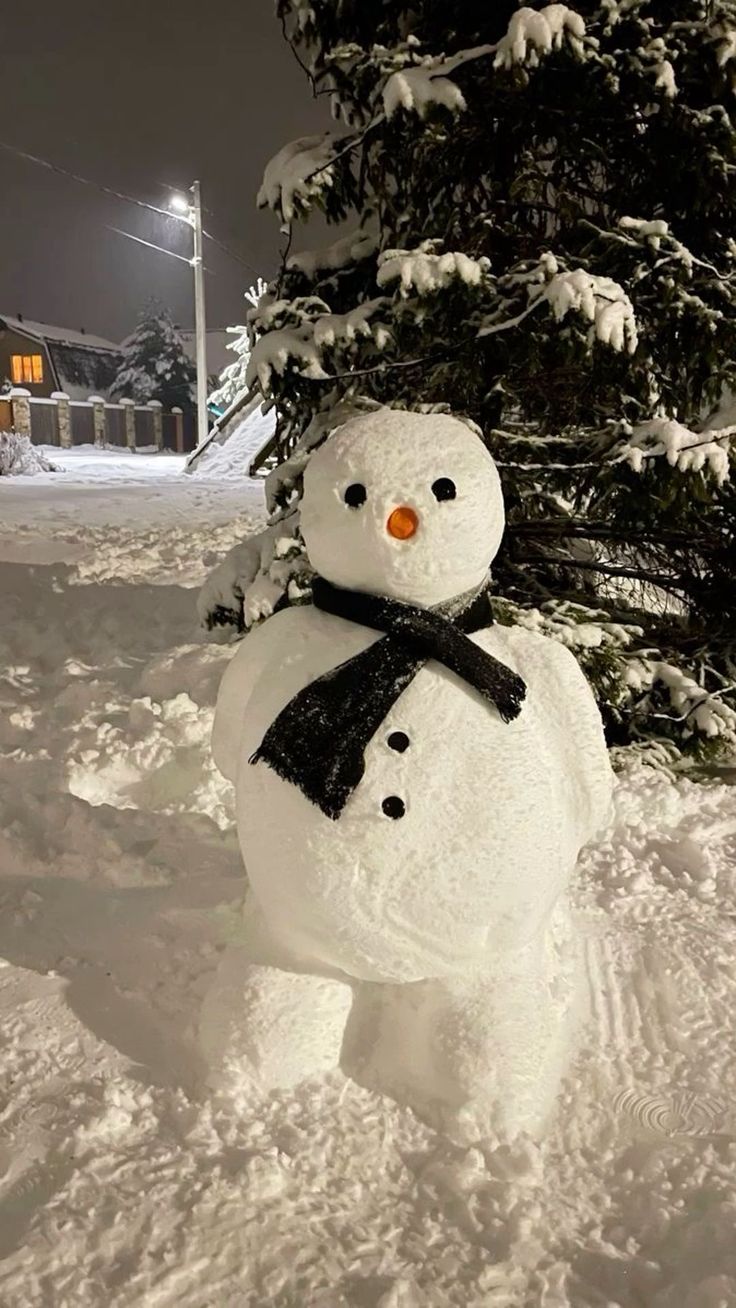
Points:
(476, 1055)
(262, 1028)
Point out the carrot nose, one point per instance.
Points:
(402, 523)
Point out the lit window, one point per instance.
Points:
(26, 368)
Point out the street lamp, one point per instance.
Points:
(179, 203)
(191, 212)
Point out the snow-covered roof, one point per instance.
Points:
(83, 363)
(62, 335)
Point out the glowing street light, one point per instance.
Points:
(179, 203)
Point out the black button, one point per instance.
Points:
(399, 741)
(393, 807)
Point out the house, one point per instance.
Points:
(43, 359)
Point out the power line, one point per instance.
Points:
(128, 199)
(237, 257)
(85, 181)
(151, 246)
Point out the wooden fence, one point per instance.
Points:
(64, 422)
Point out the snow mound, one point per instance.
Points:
(230, 453)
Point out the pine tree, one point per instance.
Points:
(155, 365)
(543, 209)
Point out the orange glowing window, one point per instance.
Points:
(26, 368)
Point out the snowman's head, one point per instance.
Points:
(403, 504)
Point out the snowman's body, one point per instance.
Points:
(495, 812)
(468, 880)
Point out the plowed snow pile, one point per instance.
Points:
(230, 454)
(120, 1183)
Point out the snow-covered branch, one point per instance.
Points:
(531, 34)
(276, 350)
(536, 32)
(602, 301)
(682, 448)
(726, 43)
(297, 175)
(335, 328)
(416, 89)
(425, 271)
(300, 347)
(654, 233)
(342, 253)
(702, 711)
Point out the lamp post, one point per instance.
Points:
(191, 211)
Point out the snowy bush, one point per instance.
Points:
(543, 210)
(18, 457)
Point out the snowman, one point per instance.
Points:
(413, 785)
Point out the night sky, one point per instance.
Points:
(142, 96)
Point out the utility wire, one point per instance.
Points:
(237, 257)
(150, 245)
(129, 199)
(85, 181)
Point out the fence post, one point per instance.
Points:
(20, 408)
(98, 418)
(63, 418)
(179, 415)
(129, 410)
(158, 423)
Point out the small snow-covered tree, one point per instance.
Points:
(543, 209)
(155, 365)
(232, 387)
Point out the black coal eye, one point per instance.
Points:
(355, 495)
(444, 489)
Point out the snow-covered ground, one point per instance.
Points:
(120, 1182)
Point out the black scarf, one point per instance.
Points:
(318, 741)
